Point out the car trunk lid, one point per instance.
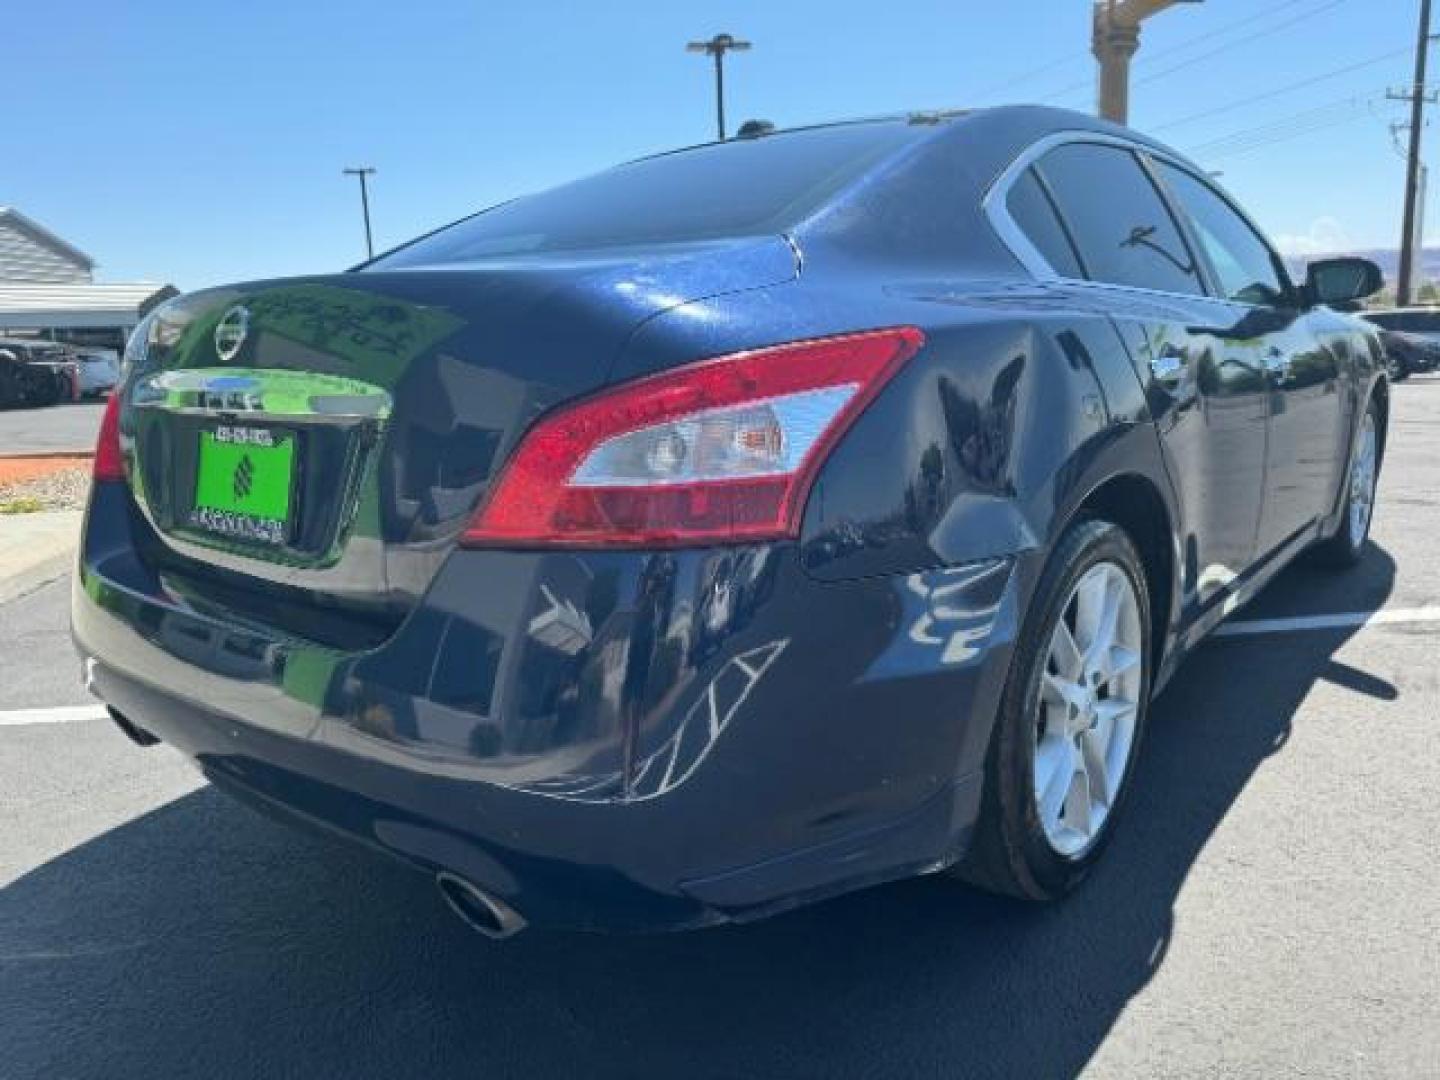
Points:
(319, 442)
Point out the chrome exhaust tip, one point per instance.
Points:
(478, 909)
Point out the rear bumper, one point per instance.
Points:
(619, 741)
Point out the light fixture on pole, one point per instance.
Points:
(717, 47)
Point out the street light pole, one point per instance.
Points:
(363, 172)
(717, 47)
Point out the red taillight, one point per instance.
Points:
(109, 463)
(720, 451)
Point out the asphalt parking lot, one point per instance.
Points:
(1271, 906)
(67, 427)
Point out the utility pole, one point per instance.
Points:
(717, 47)
(1114, 41)
(1417, 96)
(363, 172)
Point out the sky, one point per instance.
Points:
(201, 141)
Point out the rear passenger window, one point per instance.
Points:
(1122, 228)
(1243, 262)
(1031, 209)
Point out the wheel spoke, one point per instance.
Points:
(1077, 800)
(1094, 604)
(1093, 748)
(1114, 728)
(1110, 713)
(1102, 632)
(1064, 651)
(1060, 773)
(1122, 660)
(1061, 692)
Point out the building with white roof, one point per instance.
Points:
(48, 287)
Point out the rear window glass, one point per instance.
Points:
(744, 187)
(1032, 211)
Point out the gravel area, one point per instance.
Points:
(65, 489)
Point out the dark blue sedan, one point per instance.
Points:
(736, 527)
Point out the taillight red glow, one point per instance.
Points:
(720, 451)
(109, 463)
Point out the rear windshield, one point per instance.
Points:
(746, 187)
(1417, 321)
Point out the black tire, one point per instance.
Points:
(1345, 549)
(1397, 368)
(1009, 852)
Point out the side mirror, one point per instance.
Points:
(1338, 282)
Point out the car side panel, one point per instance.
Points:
(1209, 410)
(1307, 364)
(1023, 402)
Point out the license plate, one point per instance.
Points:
(244, 480)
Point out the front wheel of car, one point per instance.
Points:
(1397, 369)
(1070, 723)
(1347, 546)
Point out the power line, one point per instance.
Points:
(1212, 34)
(1289, 127)
(1280, 90)
(1282, 124)
(1259, 35)
(1026, 76)
(1293, 134)
(1070, 59)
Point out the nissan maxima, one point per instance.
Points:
(733, 528)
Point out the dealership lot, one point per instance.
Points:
(1270, 908)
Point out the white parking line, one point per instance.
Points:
(1342, 621)
(64, 714)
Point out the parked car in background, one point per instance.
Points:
(1411, 337)
(99, 371)
(36, 373)
(735, 527)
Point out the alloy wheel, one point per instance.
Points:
(1088, 708)
(1362, 481)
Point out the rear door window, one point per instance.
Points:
(1122, 227)
(1246, 267)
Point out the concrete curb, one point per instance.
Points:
(35, 549)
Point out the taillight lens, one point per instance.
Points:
(720, 451)
(109, 463)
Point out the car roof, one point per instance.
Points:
(1025, 116)
(971, 147)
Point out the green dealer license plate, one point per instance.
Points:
(244, 479)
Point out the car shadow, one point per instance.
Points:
(202, 938)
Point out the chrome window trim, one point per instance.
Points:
(993, 205)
